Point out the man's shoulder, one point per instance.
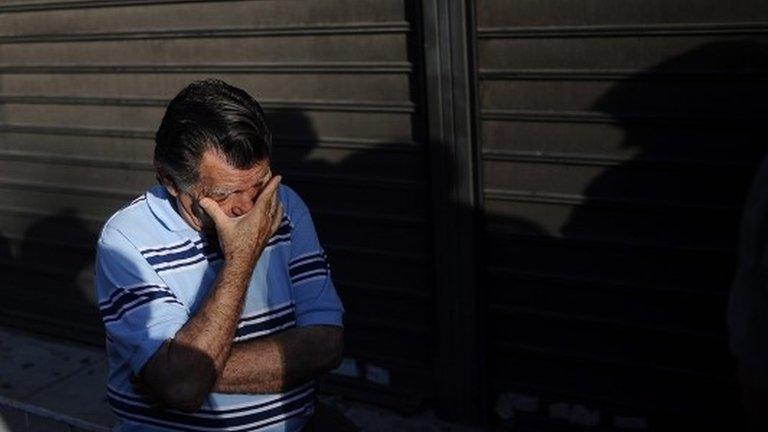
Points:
(133, 221)
(293, 206)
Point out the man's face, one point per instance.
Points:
(234, 190)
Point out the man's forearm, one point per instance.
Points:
(279, 362)
(211, 330)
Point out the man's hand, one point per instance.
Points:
(244, 237)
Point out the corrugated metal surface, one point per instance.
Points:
(617, 143)
(83, 85)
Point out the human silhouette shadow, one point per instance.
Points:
(375, 234)
(48, 281)
(391, 319)
(663, 227)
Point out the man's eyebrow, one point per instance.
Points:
(219, 191)
(226, 190)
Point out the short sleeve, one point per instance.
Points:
(314, 293)
(138, 310)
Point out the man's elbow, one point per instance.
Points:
(181, 383)
(185, 396)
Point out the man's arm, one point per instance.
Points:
(279, 362)
(184, 369)
(283, 360)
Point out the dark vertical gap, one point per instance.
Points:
(459, 395)
(476, 213)
(420, 134)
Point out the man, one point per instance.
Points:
(215, 294)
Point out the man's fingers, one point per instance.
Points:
(277, 216)
(267, 200)
(213, 210)
(270, 189)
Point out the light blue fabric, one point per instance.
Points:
(153, 272)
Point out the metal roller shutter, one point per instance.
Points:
(617, 142)
(83, 85)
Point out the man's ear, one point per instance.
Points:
(167, 182)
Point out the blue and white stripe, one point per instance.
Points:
(308, 267)
(212, 252)
(187, 254)
(240, 417)
(140, 198)
(180, 256)
(262, 323)
(283, 233)
(127, 299)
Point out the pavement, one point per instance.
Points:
(50, 386)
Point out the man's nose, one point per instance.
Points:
(244, 204)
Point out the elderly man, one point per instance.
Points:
(214, 291)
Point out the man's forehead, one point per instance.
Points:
(216, 173)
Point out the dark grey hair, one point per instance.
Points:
(210, 115)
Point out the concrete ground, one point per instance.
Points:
(52, 386)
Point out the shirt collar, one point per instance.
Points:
(163, 206)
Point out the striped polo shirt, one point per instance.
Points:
(153, 272)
